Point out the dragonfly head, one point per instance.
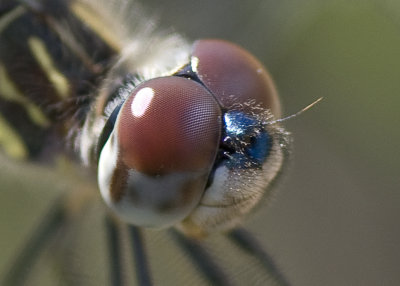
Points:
(196, 140)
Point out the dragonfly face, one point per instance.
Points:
(179, 135)
(195, 148)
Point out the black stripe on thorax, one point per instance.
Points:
(51, 24)
(34, 136)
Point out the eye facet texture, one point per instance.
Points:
(234, 75)
(167, 125)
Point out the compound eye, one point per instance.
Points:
(154, 167)
(169, 125)
(252, 150)
(234, 75)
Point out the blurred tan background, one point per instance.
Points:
(335, 220)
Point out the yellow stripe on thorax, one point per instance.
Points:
(11, 16)
(44, 59)
(93, 20)
(11, 142)
(10, 92)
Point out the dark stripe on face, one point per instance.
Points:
(118, 182)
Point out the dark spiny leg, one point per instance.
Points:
(202, 259)
(48, 227)
(114, 244)
(249, 243)
(139, 253)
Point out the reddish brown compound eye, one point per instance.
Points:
(169, 125)
(234, 75)
(154, 167)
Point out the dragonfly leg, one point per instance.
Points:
(212, 271)
(44, 233)
(247, 242)
(114, 244)
(140, 256)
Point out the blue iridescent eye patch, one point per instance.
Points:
(246, 142)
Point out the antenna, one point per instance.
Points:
(297, 113)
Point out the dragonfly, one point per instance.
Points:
(184, 139)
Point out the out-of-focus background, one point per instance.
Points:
(335, 220)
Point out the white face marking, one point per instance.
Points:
(194, 62)
(142, 101)
(153, 192)
(232, 195)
